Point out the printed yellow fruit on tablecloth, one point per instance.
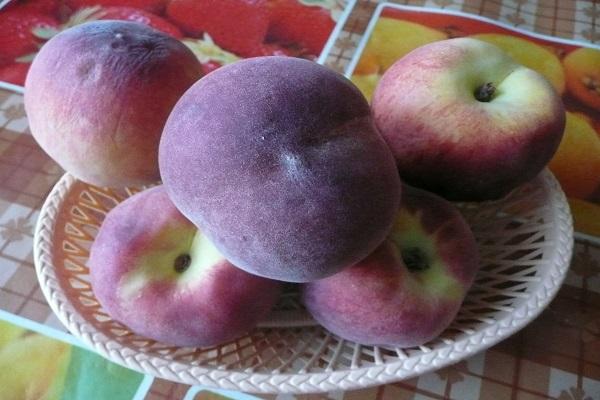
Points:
(8, 333)
(366, 83)
(586, 216)
(368, 63)
(582, 68)
(40, 370)
(392, 39)
(530, 55)
(576, 163)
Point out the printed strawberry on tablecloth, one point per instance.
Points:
(217, 31)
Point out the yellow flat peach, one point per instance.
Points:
(576, 163)
(530, 55)
(392, 39)
(582, 68)
(366, 83)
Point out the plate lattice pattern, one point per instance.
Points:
(525, 242)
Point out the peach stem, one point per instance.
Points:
(182, 262)
(414, 259)
(485, 92)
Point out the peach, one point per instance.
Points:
(411, 288)
(152, 270)
(583, 75)
(97, 97)
(277, 160)
(465, 121)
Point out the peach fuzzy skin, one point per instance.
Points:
(97, 97)
(447, 141)
(137, 275)
(582, 67)
(380, 301)
(278, 161)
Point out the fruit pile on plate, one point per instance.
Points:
(217, 31)
(276, 169)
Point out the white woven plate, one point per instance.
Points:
(525, 242)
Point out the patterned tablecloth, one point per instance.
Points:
(555, 357)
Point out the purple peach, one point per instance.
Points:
(278, 161)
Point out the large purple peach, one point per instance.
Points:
(411, 288)
(152, 270)
(278, 161)
(97, 97)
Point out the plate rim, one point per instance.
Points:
(302, 382)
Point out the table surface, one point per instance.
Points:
(555, 357)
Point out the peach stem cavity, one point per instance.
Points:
(485, 92)
(415, 259)
(182, 263)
